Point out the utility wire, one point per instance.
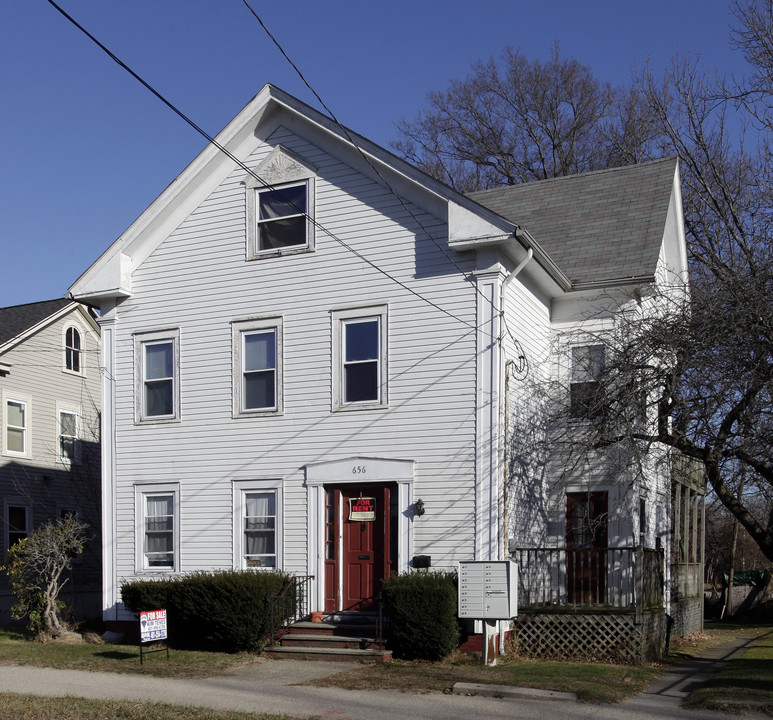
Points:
(244, 167)
(467, 276)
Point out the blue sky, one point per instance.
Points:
(85, 148)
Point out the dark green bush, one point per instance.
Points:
(226, 611)
(421, 608)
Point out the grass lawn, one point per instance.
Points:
(745, 683)
(16, 649)
(592, 682)
(21, 707)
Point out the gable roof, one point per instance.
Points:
(597, 226)
(18, 319)
(110, 276)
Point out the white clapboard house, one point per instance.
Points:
(305, 357)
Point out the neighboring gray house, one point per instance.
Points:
(321, 323)
(49, 412)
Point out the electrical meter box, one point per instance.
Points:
(488, 590)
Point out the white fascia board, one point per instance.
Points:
(110, 275)
(672, 269)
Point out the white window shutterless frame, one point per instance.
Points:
(257, 520)
(360, 368)
(157, 376)
(257, 350)
(157, 540)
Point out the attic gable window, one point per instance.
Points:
(282, 221)
(280, 206)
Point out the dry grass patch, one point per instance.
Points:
(592, 682)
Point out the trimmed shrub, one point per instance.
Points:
(421, 608)
(225, 611)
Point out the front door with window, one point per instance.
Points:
(360, 544)
(586, 547)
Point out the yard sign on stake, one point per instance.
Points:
(153, 629)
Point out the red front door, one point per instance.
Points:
(360, 551)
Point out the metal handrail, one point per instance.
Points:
(289, 605)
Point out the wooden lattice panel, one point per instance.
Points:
(593, 637)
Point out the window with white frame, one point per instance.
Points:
(157, 528)
(16, 426)
(280, 206)
(257, 371)
(282, 217)
(69, 450)
(586, 392)
(157, 382)
(72, 350)
(17, 523)
(360, 358)
(258, 524)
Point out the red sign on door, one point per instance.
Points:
(362, 509)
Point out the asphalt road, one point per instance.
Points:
(272, 687)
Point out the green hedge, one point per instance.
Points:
(225, 611)
(421, 608)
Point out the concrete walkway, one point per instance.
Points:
(273, 687)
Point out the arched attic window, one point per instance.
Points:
(72, 349)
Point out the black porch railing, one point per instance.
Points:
(289, 606)
(622, 579)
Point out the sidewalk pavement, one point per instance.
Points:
(273, 687)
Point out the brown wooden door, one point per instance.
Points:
(367, 551)
(586, 543)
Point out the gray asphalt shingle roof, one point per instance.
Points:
(17, 319)
(596, 226)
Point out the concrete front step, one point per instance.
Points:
(330, 653)
(352, 642)
(348, 629)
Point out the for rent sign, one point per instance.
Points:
(362, 509)
(152, 625)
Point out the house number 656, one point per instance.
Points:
(358, 470)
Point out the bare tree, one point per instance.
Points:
(36, 567)
(514, 120)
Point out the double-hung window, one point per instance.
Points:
(72, 350)
(257, 524)
(280, 206)
(360, 358)
(586, 391)
(17, 523)
(157, 382)
(257, 371)
(157, 527)
(282, 218)
(16, 427)
(68, 436)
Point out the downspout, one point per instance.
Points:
(506, 427)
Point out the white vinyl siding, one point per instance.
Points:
(198, 279)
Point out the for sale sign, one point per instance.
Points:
(152, 625)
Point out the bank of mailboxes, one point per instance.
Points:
(488, 590)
